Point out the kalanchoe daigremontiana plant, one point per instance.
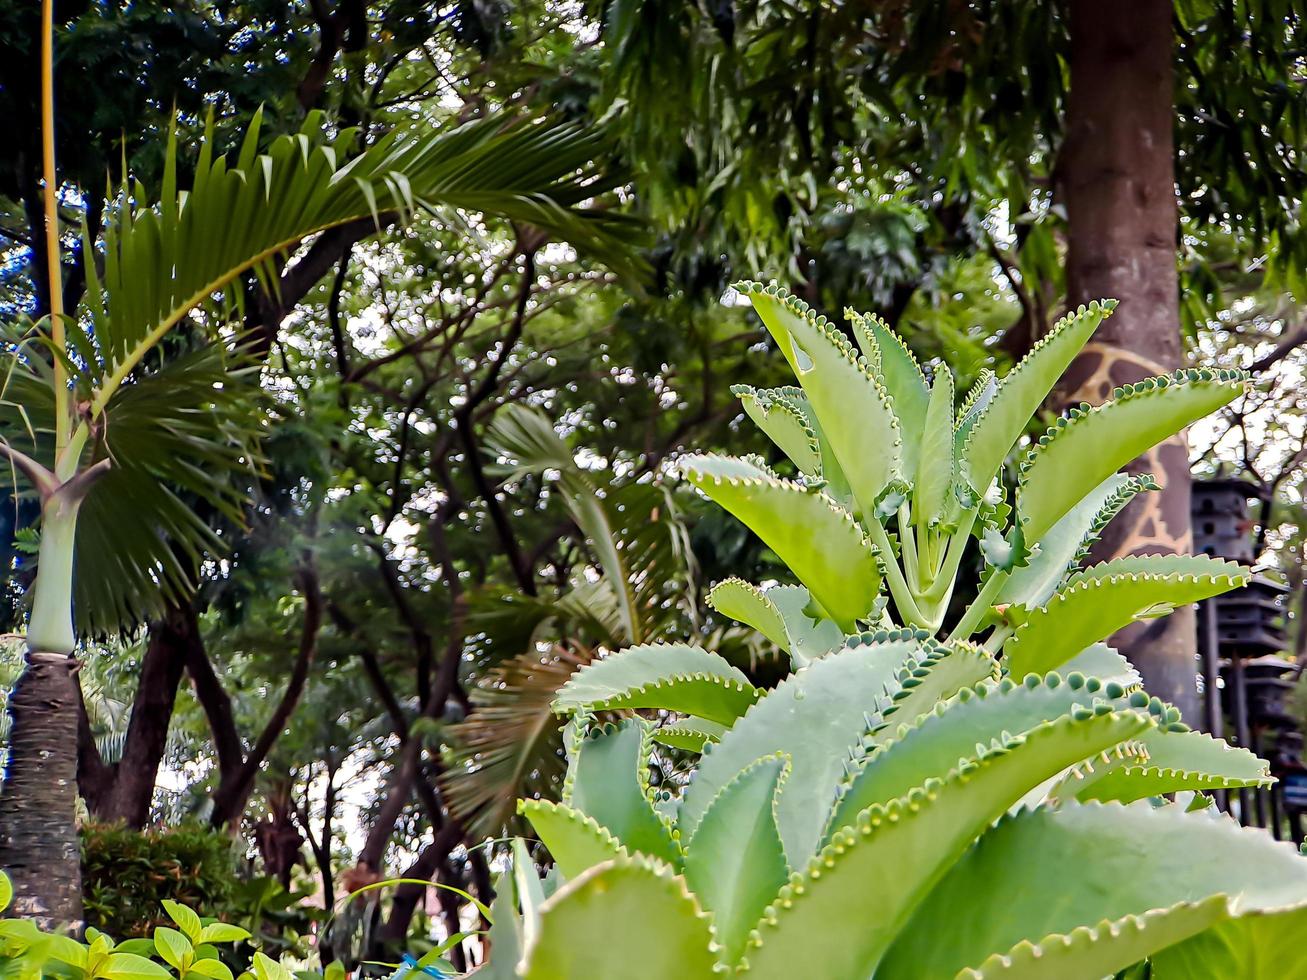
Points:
(909, 803)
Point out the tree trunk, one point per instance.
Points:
(131, 792)
(39, 847)
(1116, 173)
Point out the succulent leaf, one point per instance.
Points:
(1172, 761)
(902, 376)
(673, 676)
(997, 426)
(1102, 661)
(937, 741)
(1260, 945)
(652, 927)
(1093, 952)
(1063, 546)
(1089, 444)
(937, 677)
(689, 734)
(1081, 864)
(575, 840)
(936, 472)
(856, 413)
(735, 862)
(813, 717)
(899, 850)
(1100, 600)
(780, 614)
(785, 423)
(822, 545)
(607, 780)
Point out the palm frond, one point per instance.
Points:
(184, 445)
(526, 438)
(510, 745)
(162, 261)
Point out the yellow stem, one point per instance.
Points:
(53, 265)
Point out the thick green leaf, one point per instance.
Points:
(750, 605)
(660, 675)
(997, 427)
(820, 543)
(223, 932)
(942, 673)
(938, 741)
(780, 613)
(1261, 945)
(810, 637)
(652, 928)
(902, 376)
(781, 416)
(1105, 663)
(1088, 445)
(129, 966)
(1083, 864)
(854, 410)
(1065, 543)
(689, 734)
(608, 780)
(813, 717)
(173, 948)
(735, 862)
(187, 920)
(1172, 761)
(1094, 952)
(211, 969)
(574, 839)
(1102, 599)
(936, 466)
(898, 851)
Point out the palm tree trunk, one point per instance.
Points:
(39, 845)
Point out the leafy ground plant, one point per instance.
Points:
(191, 948)
(994, 796)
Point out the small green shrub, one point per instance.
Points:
(127, 875)
(187, 947)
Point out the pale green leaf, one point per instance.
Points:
(1056, 870)
(652, 928)
(996, 428)
(820, 543)
(575, 841)
(1090, 444)
(897, 853)
(853, 408)
(671, 676)
(607, 779)
(1102, 599)
(813, 716)
(735, 862)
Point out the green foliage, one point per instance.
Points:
(904, 805)
(128, 874)
(181, 945)
(133, 880)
